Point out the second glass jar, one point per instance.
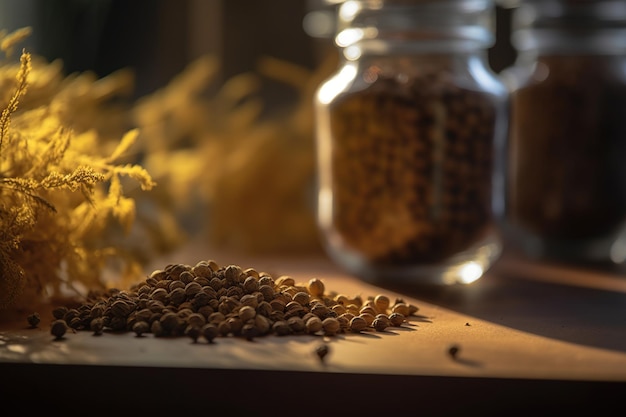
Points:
(410, 142)
(566, 197)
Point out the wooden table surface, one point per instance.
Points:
(532, 336)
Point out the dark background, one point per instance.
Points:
(157, 38)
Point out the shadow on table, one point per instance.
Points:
(543, 304)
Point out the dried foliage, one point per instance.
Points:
(247, 177)
(72, 194)
(62, 200)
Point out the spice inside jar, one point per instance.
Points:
(411, 169)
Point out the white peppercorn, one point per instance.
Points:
(316, 287)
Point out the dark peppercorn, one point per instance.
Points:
(33, 320)
(453, 351)
(58, 329)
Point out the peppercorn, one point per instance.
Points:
(193, 332)
(58, 328)
(164, 306)
(453, 351)
(140, 328)
(322, 352)
(316, 287)
(313, 325)
(281, 328)
(59, 312)
(358, 324)
(380, 324)
(97, 326)
(331, 326)
(33, 319)
(397, 319)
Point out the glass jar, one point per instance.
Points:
(566, 194)
(410, 137)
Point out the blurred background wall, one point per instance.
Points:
(157, 38)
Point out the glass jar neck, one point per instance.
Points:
(413, 27)
(570, 26)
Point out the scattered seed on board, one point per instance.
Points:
(33, 319)
(209, 301)
(58, 328)
(453, 351)
(322, 352)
